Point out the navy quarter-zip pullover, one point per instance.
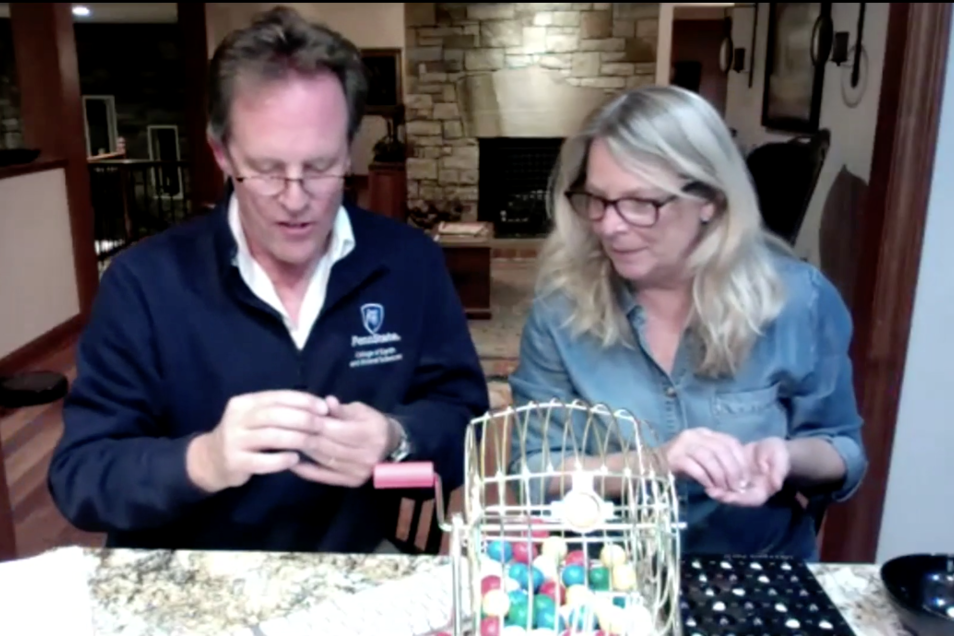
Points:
(175, 333)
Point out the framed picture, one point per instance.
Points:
(791, 99)
(384, 79)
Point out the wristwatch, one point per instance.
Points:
(404, 444)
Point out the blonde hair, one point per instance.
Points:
(662, 132)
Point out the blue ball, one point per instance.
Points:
(518, 596)
(549, 618)
(520, 573)
(573, 575)
(538, 578)
(619, 601)
(499, 551)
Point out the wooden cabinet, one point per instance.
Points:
(469, 266)
(387, 190)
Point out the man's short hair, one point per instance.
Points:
(279, 43)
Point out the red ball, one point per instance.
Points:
(554, 590)
(541, 533)
(575, 558)
(524, 552)
(490, 582)
(490, 626)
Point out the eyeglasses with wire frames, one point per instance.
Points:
(636, 211)
(315, 184)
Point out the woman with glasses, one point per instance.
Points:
(660, 293)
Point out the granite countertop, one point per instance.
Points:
(158, 593)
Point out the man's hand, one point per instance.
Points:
(352, 440)
(770, 464)
(259, 433)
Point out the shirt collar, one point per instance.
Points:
(341, 243)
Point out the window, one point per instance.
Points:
(100, 123)
(164, 149)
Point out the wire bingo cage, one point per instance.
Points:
(583, 539)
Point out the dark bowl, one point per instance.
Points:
(17, 156)
(921, 590)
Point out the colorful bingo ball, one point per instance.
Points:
(526, 576)
(578, 595)
(573, 575)
(518, 596)
(599, 579)
(612, 555)
(537, 533)
(547, 566)
(492, 582)
(548, 618)
(554, 547)
(495, 603)
(541, 602)
(524, 552)
(499, 551)
(490, 626)
(577, 557)
(519, 614)
(623, 577)
(553, 590)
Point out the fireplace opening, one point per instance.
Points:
(512, 184)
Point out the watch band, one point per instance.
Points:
(404, 445)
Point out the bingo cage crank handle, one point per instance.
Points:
(412, 475)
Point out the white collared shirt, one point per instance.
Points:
(340, 245)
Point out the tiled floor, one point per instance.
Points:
(29, 435)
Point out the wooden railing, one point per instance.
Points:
(134, 198)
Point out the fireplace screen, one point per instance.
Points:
(512, 187)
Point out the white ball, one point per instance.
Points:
(491, 568)
(513, 630)
(510, 584)
(554, 547)
(547, 566)
(612, 555)
(496, 603)
(623, 577)
(543, 631)
(578, 595)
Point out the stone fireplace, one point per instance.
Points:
(512, 184)
(514, 80)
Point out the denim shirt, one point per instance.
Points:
(795, 383)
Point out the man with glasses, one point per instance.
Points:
(241, 375)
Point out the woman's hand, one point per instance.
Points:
(715, 460)
(770, 464)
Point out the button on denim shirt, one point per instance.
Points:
(795, 383)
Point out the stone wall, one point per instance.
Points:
(510, 70)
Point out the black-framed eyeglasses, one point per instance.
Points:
(268, 185)
(636, 211)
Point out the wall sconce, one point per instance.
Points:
(732, 58)
(835, 47)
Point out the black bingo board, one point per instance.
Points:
(755, 596)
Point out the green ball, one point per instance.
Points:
(519, 614)
(600, 579)
(542, 602)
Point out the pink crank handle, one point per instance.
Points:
(409, 475)
(406, 475)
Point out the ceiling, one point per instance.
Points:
(120, 12)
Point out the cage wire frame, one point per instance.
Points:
(616, 456)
